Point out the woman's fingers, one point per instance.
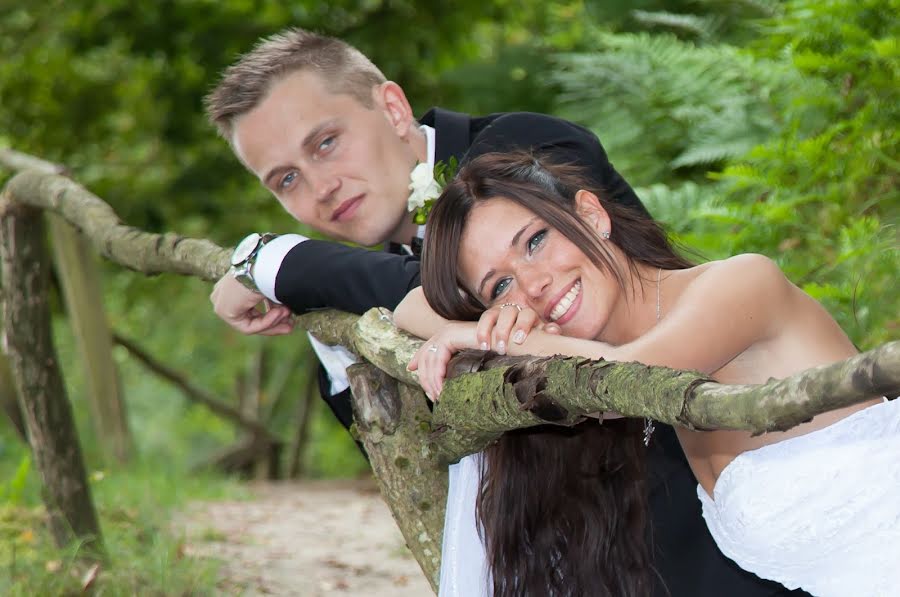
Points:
(485, 327)
(431, 362)
(526, 322)
(509, 312)
(506, 323)
(551, 328)
(414, 361)
(439, 370)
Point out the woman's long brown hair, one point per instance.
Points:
(563, 511)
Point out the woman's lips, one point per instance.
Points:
(567, 305)
(346, 209)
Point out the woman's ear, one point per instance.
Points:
(591, 211)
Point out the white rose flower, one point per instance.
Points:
(422, 187)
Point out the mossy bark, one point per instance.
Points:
(394, 424)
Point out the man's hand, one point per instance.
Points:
(238, 306)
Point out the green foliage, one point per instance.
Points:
(820, 195)
(13, 490)
(667, 109)
(146, 548)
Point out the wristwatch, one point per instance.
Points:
(244, 258)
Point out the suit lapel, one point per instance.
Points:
(452, 139)
(451, 133)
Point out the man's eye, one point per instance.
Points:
(287, 180)
(326, 143)
(499, 288)
(536, 240)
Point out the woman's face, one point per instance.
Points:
(509, 255)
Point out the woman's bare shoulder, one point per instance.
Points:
(747, 272)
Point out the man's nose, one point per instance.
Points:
(323, 184)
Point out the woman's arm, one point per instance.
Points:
(416, 316)
(728, 307)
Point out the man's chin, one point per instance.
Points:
(363, 238)
(361, 231)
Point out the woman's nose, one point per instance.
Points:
(534, 281)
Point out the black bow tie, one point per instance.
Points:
(414, 248)
(416, 245)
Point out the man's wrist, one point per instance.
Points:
(243, 259)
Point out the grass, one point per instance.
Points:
(146, 550)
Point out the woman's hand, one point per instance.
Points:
(431, 359)
(491, 332)
(502, 323)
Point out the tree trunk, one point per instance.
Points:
(394, 423)
(46, 409)
(79, 275)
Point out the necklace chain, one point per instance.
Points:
(649, 427)
(658, 303)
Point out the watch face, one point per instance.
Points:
(245, 248)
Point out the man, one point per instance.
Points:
(335, 142)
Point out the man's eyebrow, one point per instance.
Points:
(273, 172)
(308, 140)
(512, 243)
(316, 131)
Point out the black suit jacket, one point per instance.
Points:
(318, 274)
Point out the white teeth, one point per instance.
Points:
(562, 307)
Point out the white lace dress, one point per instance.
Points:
(820, 512)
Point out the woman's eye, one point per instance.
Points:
(535, 241)
(288, 179)
(499, 288)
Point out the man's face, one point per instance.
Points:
(333, 164)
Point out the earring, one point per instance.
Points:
(605, 235)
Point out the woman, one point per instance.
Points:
(514, 242)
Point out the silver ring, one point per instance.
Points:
(432, 348)
(511, 305)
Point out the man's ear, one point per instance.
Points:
(591, 210)
(392, 100)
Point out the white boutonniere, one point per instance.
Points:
(425, 186)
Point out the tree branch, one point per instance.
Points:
(132, 248)
(194, 393)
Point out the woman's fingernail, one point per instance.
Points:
(501, 347)
(484, 346)
(519, 337)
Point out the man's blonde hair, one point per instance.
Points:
(244, 84)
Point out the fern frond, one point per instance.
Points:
(700, 26)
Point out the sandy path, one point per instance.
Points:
(309, 539)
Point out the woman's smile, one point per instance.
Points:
(566, 307)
